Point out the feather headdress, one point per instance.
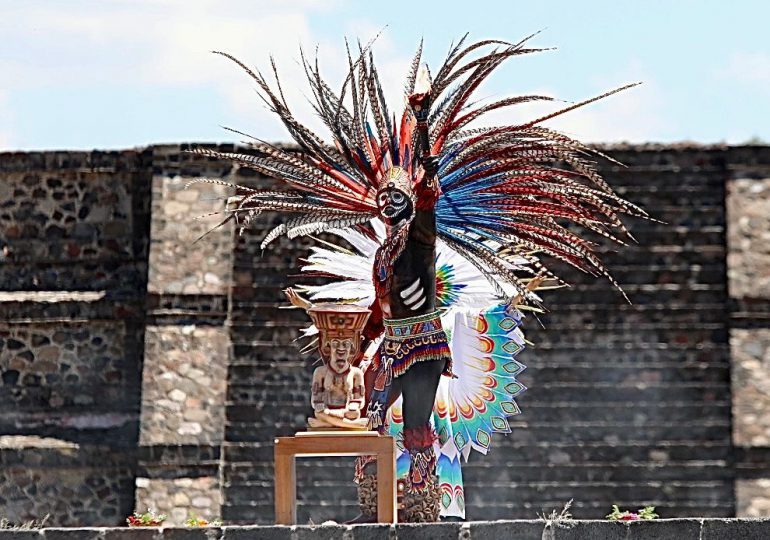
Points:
(508, 192)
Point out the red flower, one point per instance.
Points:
(148, 519)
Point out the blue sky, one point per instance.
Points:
(80, 74)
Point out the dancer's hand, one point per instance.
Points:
(296, 300)
(533, 284)
(430, 164)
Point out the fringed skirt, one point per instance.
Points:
(412, 340)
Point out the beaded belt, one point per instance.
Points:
(411, 327)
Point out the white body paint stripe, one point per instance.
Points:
(410, 289)
(419, 304)
(415, 297)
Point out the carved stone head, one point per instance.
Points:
(342, 354)
(339, 331)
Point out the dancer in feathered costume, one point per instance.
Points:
(500, 198)
(484, 340)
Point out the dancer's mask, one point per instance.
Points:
(395, 199)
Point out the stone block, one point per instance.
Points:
(193, 533)
(73, 485)
(586, 530)
(750, 351)
(748, 212)
(377, 531)
(431, 531)
(320, 532)
(181, 498)
(275, 532)
(62, 366)
(664, 529)
(173, 266)
(752, 497)
(21, 534)
(133, 533)
(84, 533)
(510, 530)
(743, 529)
(182, 403)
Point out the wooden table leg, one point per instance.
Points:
(285, 488)
(386, 486)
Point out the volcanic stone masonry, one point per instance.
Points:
(142, 369)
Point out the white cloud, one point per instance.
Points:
(751, 68)
(145, 43)
(168, 43)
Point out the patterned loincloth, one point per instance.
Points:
(412, 340)
(406, 342)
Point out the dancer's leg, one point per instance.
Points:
(419, 385)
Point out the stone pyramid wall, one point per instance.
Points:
(141, 369)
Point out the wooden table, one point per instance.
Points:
(334, 443)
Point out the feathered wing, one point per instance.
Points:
(479, 400)
(477, 403)
(459, 285)
(351, 271)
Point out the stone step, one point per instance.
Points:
(529, 529)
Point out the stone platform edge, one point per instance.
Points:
(662, 529)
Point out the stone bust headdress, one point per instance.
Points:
(340, 322)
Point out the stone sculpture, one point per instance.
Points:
(337, 393)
